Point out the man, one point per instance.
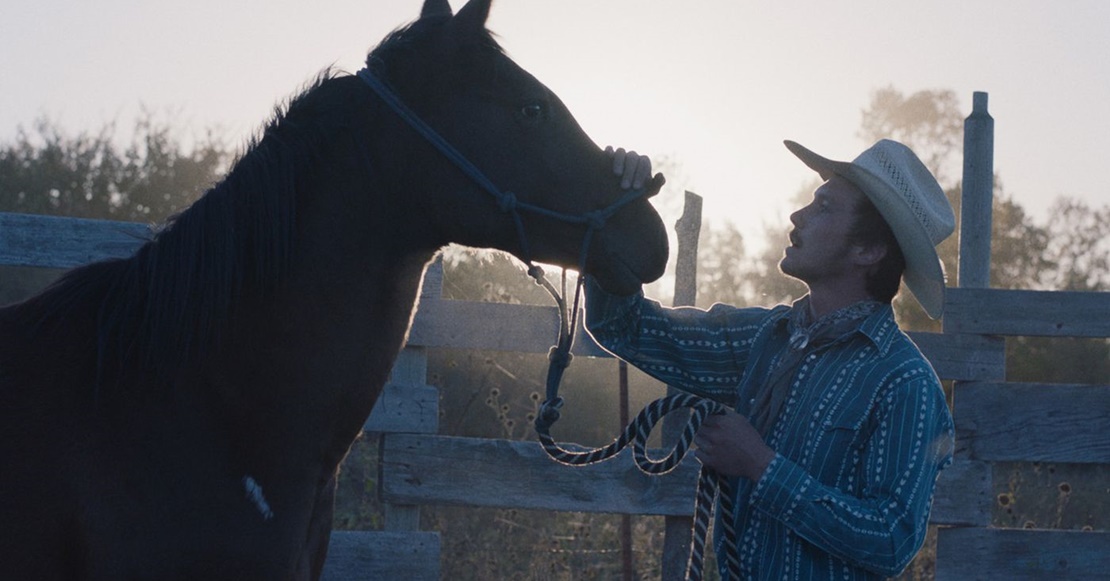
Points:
(840, 425)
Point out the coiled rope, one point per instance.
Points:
(712, 487)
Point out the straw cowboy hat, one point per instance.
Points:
(912, 202)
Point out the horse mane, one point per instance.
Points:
(165, 305)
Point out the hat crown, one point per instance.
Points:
(903, 172)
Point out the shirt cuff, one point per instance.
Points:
(607, 312)
(781, 489)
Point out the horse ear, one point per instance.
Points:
(435, 8)
(472, 17)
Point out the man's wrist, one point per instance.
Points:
(763, 459)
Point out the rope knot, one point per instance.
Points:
(536, 272)
(559, 357)
(596, 219)
(548, 414)
(507, 202)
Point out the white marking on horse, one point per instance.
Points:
(254, 494)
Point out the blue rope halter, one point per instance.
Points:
(559, 356)
(506, 200)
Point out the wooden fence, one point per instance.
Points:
(996, 421)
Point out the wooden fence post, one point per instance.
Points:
(973, 267)
(411, 370)
(978, 192)
(677, 535)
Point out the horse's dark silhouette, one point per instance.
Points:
(181, 414)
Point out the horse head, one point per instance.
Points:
(448, 69)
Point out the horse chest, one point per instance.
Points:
(153, 526)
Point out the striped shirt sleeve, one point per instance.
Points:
(700, 351)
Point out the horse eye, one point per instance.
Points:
(532, 111)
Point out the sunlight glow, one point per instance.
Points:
(708, 88)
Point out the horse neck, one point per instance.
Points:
(318, 352)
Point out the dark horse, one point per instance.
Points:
(181, 414)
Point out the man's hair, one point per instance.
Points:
(869, 229)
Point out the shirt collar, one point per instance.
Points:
(879, 327)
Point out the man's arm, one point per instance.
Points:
(702, 352)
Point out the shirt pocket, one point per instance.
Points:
(842, 434)
(837, 458)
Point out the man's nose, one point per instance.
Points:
(796, 218)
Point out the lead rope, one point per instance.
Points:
(712, 486)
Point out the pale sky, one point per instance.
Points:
(714, 86)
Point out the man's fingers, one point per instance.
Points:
(700, 441)
(642, 172)
(630, 165)
(618, 156)
(634, 169)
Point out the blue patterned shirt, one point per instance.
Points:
(859, 442)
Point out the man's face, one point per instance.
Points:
(819, 247)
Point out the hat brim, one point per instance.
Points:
(924, 275)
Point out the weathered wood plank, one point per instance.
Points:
(431, 286)
(499, 473)
(405, 408)
(492, 326)
(410, 370)
(57, 242)
(1032, 313)
(963, 357)
(964, 495)
(372, 555)
(1032, 422)
(420, 469)
(1017, 555)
